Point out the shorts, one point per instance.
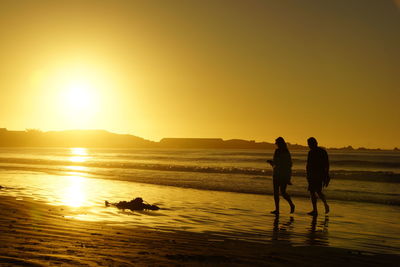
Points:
(315, 185)
(279, 185)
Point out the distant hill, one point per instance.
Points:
(70, 138)
(102, 138)
(216, 143)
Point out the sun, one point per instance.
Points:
(76, 95)
(79, 100)
(79, 96)
(79, 103)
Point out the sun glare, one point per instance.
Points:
(77, 92)
(80, 98)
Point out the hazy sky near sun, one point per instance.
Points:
(231, 69)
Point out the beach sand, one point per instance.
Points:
(36, 234)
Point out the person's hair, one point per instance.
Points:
(280, 142)
(312, 141)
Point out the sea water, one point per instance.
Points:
(224, 192)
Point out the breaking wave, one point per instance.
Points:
(378, 176)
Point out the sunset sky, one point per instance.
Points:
(245, 69)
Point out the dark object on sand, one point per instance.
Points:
(134, 204)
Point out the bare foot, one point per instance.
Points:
(326, 208)
(292, 208)
(275, 212)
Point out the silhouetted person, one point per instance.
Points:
(317, 174)
(282, 165)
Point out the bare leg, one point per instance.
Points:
(314, 204)
(323, 198)
(276, 197)
(286, 196)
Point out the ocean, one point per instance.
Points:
(224, 192)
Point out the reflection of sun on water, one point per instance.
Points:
(81, 151)
(77, 168)
(74, 194)
(79, 154)
(77, 159)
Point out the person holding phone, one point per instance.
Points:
(282, 172)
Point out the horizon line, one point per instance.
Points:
(349, 147)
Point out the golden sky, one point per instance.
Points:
(249, 69)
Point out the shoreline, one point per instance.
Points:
(299, 183)
(35, 234)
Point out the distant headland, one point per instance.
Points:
(102, 138)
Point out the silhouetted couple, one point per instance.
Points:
(317, 173)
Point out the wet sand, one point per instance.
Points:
(35, 234)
